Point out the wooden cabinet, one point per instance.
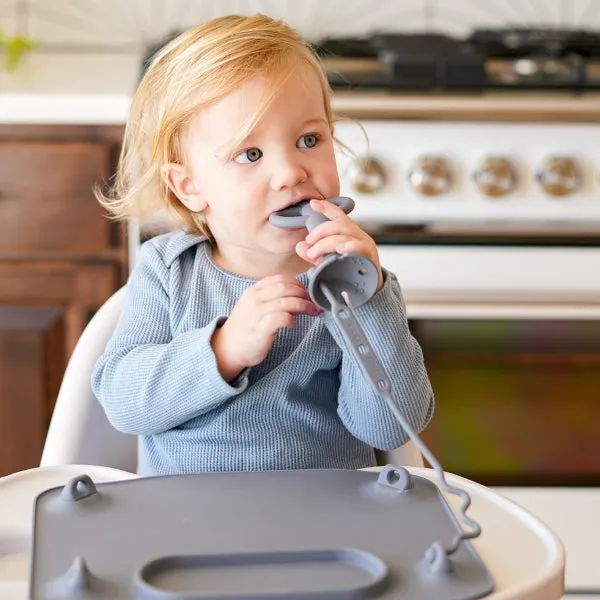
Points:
(32, 356)
(60, 259)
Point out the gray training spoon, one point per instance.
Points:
(351, 273)
(357, 277)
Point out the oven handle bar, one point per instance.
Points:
(459, 309)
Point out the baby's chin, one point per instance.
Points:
(286, 247)
(289, 236)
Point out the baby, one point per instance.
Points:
(220, 360)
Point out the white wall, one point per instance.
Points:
(135, 22)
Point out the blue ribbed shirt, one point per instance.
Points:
(307, 405)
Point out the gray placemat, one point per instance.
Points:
(322, 534)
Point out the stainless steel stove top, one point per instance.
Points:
(492, 59)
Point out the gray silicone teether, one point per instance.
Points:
(356, 277)
(302, 215)
(353, 274)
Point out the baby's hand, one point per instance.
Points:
(248, 333)
(340, 234)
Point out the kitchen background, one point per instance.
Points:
(486, 205)
(121, 24)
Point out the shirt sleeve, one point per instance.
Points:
(364, 412)
(147, 381)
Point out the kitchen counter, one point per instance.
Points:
(95, 89)
(55, 89)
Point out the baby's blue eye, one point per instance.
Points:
(307, 141)
(248, 156)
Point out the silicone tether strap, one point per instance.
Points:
(380, 382)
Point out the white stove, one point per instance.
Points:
(492, 176)
(497, 224)
(500, 214)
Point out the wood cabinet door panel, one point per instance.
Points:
(44, 307)
(32, 360)
(77, 288)
(61, 258)
(46, 197)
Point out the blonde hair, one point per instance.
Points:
(195, 70)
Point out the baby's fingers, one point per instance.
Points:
(292, 306)
(329, 209)
(327, 245)
(327, 229)
(301, 251)
(274, 288)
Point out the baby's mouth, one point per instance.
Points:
(295, 216)
(291, 217)
(294, 209)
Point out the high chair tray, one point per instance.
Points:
(315, 534)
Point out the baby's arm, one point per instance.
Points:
(147, 381)
(365, 414)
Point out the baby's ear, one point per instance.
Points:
(182, 185)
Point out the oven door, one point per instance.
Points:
(518, 399)
(511, 340)
(512, 349)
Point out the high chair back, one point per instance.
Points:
(80, 432)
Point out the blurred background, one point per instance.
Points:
(480, 183)
(135, 23)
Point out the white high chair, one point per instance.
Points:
(525, 558)
(79, 431)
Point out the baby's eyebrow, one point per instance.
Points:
(226, 151)
(316, 121)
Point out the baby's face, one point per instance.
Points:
(289, 156)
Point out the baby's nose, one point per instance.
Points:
(287, 173)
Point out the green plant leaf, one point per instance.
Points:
(16, 48)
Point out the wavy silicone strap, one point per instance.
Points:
(380, 382)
